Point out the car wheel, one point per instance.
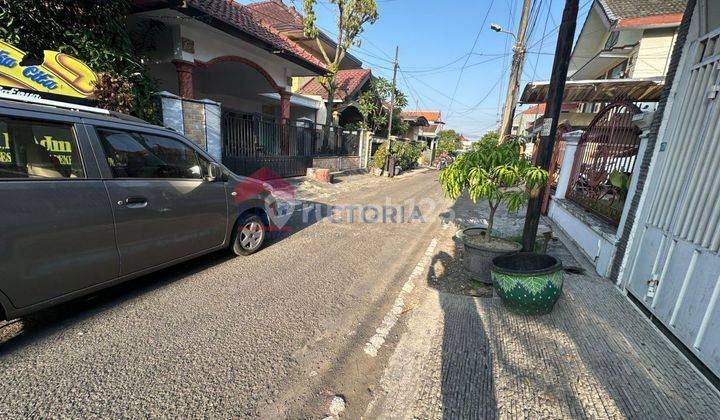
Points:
(250, 234)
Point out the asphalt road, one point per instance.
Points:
(265, 335)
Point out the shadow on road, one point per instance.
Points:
(18, 333)
(467, 385)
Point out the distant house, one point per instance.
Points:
(350, 84)
(466, 143)
(524, 122)
(425, 126)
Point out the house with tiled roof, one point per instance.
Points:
(226, 73)
(615, 81)
(424, 126)
(621, 54)
(352, 78)
(350, 84)
(623, 51)
(288, 21)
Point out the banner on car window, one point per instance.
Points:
(59, 77)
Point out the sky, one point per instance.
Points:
(450, 60)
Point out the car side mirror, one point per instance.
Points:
(215, 173)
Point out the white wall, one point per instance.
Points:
(212, 43)
(653, 55)
(598, 246)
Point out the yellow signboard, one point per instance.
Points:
(59, 74)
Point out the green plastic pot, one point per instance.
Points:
(527, 282)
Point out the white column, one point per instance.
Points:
(213, 128)
(571, 142)
(643, 122)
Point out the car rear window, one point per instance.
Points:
(35, 149)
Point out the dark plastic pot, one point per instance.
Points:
(478, 257)
(527, 282)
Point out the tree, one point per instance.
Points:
(489, 136)
(448, 141)
(351, 16)
(373, 109)
(94, 32)
(496, 173)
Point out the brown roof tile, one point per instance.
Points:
(431, 116)
(276, 14)
(347, 81)
(242, 18)
(629, 9)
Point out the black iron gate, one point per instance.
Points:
(253, 146)
(263, 149)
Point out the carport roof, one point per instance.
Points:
(636, 90)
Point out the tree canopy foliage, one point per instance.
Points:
(448, 141)
(374, 109)
(95, 32)
(352, 15)
(497, 173)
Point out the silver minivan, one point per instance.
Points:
(88, 200)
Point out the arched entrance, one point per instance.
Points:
(257, 131)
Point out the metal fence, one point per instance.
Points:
(287, 148)
(608, 149)
(249, 135)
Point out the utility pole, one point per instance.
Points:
(390, 112)
(515, 73)
(556, 90)
(392, 94)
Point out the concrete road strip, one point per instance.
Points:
(373, 346)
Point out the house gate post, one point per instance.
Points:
(571, 143)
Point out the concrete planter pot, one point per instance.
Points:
(377, 171)
(527, 282)
(479, 255)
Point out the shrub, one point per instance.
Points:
(497, 173)
(379, 158)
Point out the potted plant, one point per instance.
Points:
(500, 175)
(527, 282)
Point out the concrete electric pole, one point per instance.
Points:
(392, 95)
(556, 90)
(390, 114)
(515, 72)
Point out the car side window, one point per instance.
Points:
(139, 155)
(35, 149)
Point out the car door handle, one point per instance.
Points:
(136, 202)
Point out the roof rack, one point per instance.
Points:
(57, 104)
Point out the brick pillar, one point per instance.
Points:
(185, 78)
(285, 122)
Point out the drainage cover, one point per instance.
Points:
(574, 270)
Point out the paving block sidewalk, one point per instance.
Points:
(594, 356)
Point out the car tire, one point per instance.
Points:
(249, 235)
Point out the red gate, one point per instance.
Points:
(604, 161)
